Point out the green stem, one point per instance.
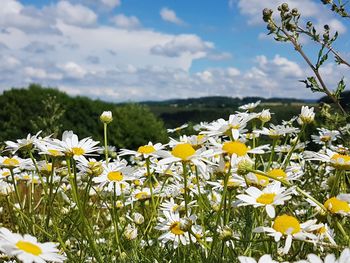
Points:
(105, 141)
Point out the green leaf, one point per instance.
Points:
(340, 88)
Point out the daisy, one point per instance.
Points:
(26, 144)
(270, 196)
(263, 259)
(115, 175)
(6, 188)
(325, 136)
(289, 227)
(235, 126)
(277, 131)
(330, 258)
(27, 249)
(264, 116)
(73, 147)
(177, 129)
(184, 152)
(145, 150)
(339, 205)
(174, 228)
(307, 115)
(250, 106)
(15, 162)
(337, 160)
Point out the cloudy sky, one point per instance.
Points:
(134, 50)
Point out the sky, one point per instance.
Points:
(137, 50)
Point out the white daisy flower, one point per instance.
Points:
(115, 174)
(307, 115)
(263, 259)
(289, 227)
(177, 129)
(172, 224)
(330, 258)
(325, 136)
(339, 205)
(76, 148)
(337, 160)
(277, 131)
(26, 143)
(15, 162)
(27, 249)
(250, 106)
(270, 196)
(145, 150)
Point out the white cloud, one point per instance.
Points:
(40, 74)
(182, 45)
(73, 70)
(170, 16)
(111, 3)
(128, 22)
(75, 14)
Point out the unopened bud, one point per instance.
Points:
(226, 233)
(106, 117)
(138, 219)
(244, 167)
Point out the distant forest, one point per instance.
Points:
(35, 108)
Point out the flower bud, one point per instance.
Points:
(265, 116)
(244, 167)
(225, 233)
(130, 232)
(285, 7)
(106, 117)
(307, 115)
(138, 219)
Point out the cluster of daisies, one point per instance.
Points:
(237, 190)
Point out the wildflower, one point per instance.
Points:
(106, 117)
(339, 204)
(23, 144)
(145, 150)
(264, 116)
(250, 106)
(330, 258)
(337, 160)
(177, 129)
(27, 249)
(277, 131)
(263, 259)
(290, 227)
(15, 162)
(171, 224)
(307, 115)
(325, 136)
(115, 174)
(270, 196)
(130, 232)
(74, 148)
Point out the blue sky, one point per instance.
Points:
(120, 50)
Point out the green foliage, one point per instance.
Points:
(26, 111)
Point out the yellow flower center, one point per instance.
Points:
(260, 180)
(266, 199)
(183, 151)
(278, 173)
(335, 205)
(115, 176)
(29, 247)
(325, 138)
(286, 225)
(5, 173)
(78, 151)
(10, 162)
(341, 161)
(175, 228)
(237, 148)
(55, 153)
(146, 149)
(142, 195)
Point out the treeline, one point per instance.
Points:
(36, 108)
